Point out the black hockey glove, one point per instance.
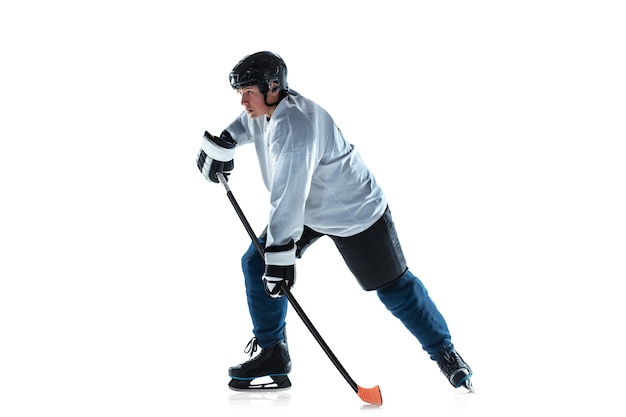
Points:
(216, 155)
(280, 268)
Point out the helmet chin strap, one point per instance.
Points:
(269, 105)
(280, 97)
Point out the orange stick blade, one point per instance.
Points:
(370, 395)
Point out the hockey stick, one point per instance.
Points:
(369, 395)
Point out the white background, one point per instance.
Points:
(496, 129)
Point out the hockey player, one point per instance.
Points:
(318, 186)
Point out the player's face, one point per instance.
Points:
(253, 101)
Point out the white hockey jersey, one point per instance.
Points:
(314, 176)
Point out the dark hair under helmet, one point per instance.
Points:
(262, 69)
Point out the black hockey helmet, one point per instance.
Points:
(262, 69)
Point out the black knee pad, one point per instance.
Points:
(374, 256)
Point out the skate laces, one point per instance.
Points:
(251, 347)
(449, 361)
(452, 361)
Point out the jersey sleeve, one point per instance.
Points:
(293, 152)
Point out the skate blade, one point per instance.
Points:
(261, 384)
(468, 385)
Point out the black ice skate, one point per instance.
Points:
(455, 369)
(272, 362)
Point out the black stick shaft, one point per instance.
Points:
(292, 300)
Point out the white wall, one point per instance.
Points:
(496, 129)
